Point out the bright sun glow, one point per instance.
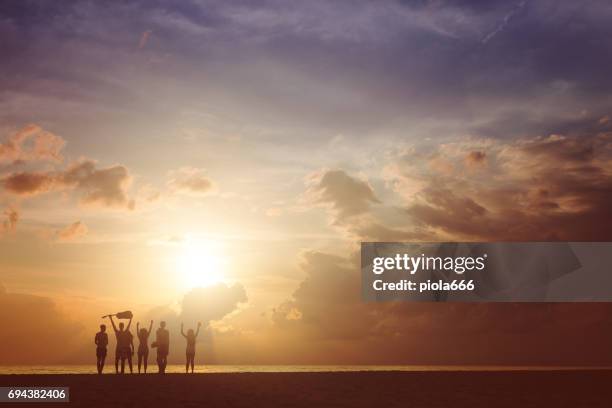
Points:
(200, 264)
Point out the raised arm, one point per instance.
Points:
(150, 327)
(137, 327)
(198, 330)
(129, 324)
(113, 323)
(183, 333)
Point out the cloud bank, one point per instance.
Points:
(38, 322)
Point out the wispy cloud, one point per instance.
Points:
(32, 143)
(11, 217)
(71, 232)
(502, 25)
(144, 38)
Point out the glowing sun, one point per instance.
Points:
(199, 264)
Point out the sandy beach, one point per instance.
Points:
(577, 388)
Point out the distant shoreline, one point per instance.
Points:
(233, 369)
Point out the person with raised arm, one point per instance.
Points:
(191, 343)
(143, 345)
(125, 345)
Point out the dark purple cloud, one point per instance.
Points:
(339, 66)
(326, 309)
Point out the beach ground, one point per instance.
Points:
(572, 388)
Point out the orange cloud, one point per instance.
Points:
(10, 223)
(73, 231)
(189, 180)
(28, 183)
(539, 188)
(106, 187)
(552, 188)
(31, 321)
(475, 158)
(32, 143)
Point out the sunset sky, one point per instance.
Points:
(221, 161)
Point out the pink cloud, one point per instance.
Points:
(190, 180)
(32, 143)
(106, 187)
(73, 231)
(10, 222)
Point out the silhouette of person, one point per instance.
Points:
(125, 345)
(143, 345)
(162, 340)
(191, 343)
(101, 341)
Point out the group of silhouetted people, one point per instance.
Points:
(125, 346)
